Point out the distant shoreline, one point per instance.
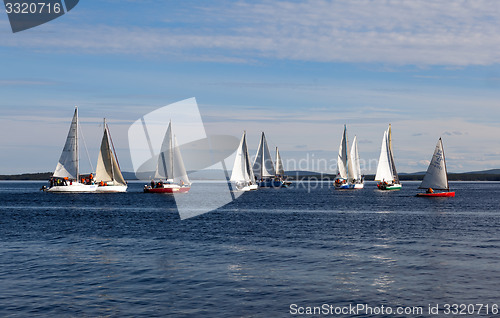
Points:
(293, 176)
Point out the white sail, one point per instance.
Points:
(107, 169)
(280, 171)
(179, 171)
(384, 171)
(248, 167)
(170, 165)
(344, 169)
(239, 173)
(391, 156)
(356, 168)
(164, 167)
(242, 171)
(263, 166)
(436, 176)
(67, 167)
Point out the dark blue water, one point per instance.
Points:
(130, 255)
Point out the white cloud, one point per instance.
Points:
(424, 32)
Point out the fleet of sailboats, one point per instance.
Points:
(436, 177)
(387, 176)
(348, 165)
(170, 175)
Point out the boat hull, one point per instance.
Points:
(244, 186)
(111, 189)
(252, 187)
(73, 188)
(167, 189)
(437, 195)
(349, 186)
(389, 187)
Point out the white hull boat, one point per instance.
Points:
(66, 176)
(348, 165)
(74, 187)
(387, 176)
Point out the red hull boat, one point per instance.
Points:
(167, 190)
(436, 177)
(436, 195)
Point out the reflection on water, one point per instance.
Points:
(130, 254)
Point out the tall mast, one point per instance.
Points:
(444, 161)
(171, 137)
(262, 159)
(346, 150)
(390, 138)
(276, 171)
(76, 146)
(106, 131)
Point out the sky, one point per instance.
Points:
(298, 70)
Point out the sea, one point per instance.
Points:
(303, 251)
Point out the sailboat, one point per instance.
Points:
(170, 166)
(436, 177)
(66, 177)
(263, 167)
(345, 173)
(108, 175)
(387, 176)
(357, 177)
(242, 175)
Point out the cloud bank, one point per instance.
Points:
(448, 33)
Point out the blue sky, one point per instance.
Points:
(298, 70)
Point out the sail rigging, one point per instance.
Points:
(386, 169)
(436, 176)
(344, 168)
(107, 169)
(263, 166)
(242, 171)
(391, 156)
(68, 165)
(356, 168)
(170, 164)
(280, 171)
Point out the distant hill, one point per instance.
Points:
(28, 176)
(491, 171)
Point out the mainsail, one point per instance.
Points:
(263, 166)
(280, 171)
(242, 171)
(67, 167)
(170, 164)
(391, 156)
(386, 169)
(436, 176)
(344, 168)
(107, 169)
(355, 160)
